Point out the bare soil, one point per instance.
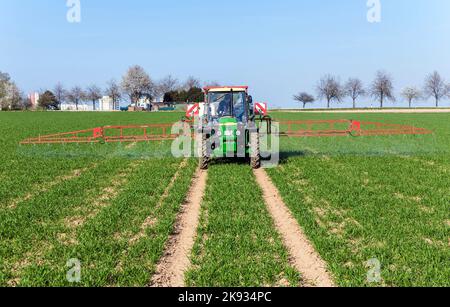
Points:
(151, 220)
(175, 262)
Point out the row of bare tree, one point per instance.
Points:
(11, 97)
(136, 84)
(381, 89)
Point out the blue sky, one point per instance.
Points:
(276, 47)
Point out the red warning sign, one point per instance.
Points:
(193, 110)
(356, 126)
(98, 133)
(261, 108)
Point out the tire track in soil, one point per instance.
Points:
(73, 223)
(176, 260)
(40, 189)
(304, 257)
(152, 220)
(102, 201)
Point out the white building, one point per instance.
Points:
(104, 104)
(72, 107)
(34, 98)
(107, 104)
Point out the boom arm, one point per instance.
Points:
(162, 132)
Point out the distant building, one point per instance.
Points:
(107, 104)
(144, 103)
(34, 99)
(104, 104)
(72, 107)
(157, 106)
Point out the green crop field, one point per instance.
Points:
(114, 206)
(111, 206)
(385, 198)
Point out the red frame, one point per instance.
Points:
(161, 132)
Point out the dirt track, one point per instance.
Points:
(303, 255)
(173, 265)
(171, 269)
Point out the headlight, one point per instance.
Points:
(238, 133)
(219, 133)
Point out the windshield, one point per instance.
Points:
(223, 104)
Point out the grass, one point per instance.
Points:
(237, 244)
(385, 198)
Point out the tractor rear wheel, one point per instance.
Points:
(204, 158)
(255, 154)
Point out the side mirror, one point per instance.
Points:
(250, 99)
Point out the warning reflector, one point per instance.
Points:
(193, 110)
(261, 108)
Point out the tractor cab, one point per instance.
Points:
(228, 125)
(228, 103)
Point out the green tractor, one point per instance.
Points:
(228, 126)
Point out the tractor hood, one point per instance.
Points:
(228, 121)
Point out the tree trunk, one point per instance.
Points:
(329, 103)
(304, 105)
(354, 103)
(410, 103)
(382, 101)
(437, 102)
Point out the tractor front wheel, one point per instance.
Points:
(204, 158)
(255, 154)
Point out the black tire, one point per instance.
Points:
(204, 159)
(255, 154)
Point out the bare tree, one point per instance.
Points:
(4, 84)
(4, 80)
(14, 96)
(435, 87)
(190, 83)
(26, 103)
(354, 88)
(76, 95)
(382, 88)
(48, 101)
(60, 93)
(113, 91)
(136, 83)
(330, 88)
(411, 94)
(93, 93)
(166, 85)
(211, 83)
(304, 98)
